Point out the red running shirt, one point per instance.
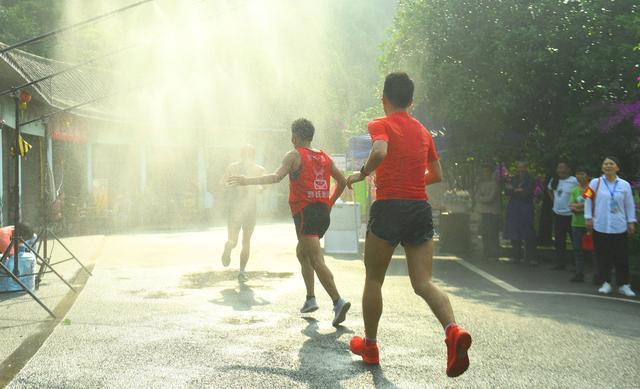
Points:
(310, 183)
(401, 175)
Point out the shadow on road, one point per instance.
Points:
(597, 314)
(311, 350)
(211, 278)
(377, 374)
(324, 361)
(323, 357)
(241, 298)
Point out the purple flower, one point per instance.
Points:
(539, 188)
(622, 112)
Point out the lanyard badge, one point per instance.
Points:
(613, 204)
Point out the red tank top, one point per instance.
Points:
(310, 183)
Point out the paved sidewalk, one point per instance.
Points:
(23, 322)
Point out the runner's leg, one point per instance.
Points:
(377, 255)
(247, 231)
(419, 262)
(310, 248)
(307, 270)
(233, 230)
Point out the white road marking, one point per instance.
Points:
(504, 285)
(549, 292)
(510, 288)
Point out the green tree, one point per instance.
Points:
(23, 19)
(511, 79)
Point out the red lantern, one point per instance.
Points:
(24, 100)
(25, 97)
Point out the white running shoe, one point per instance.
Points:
(626, 290)
(340, 311)
(309, 306)
(242, 277)
(605, 288)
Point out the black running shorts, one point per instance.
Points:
(313, 220)
(401, 221)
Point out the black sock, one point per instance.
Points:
(310, 297)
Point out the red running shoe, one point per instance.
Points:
(369, 353)
(458, 342)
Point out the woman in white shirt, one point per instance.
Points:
(560, 191)
(609, 212)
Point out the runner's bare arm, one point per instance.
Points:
(227, 173)
(377, 155)
(262, 171)
(434, 172)
(341, 183)
(288, 164)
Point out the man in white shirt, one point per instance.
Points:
(560, 191)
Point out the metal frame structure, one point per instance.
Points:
(16, 239)
(47, 231)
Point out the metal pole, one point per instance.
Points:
(47, 231)
(15, 239)
(16, 248)
(46, 264)
(24, 287)
(45, 203)
(69, 251)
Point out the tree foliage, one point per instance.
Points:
(514, 79)
(24, 19)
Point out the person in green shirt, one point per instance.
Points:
(578, 228)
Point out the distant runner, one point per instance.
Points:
(404, 159)
(242, 209)
(310, 200)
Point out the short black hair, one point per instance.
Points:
(303, 129)
(614, 159)
(24, 231)
(582, 169)
(398, 89)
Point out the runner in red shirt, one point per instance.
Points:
(310, 199)
(404, 159)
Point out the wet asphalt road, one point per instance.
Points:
(161, 311)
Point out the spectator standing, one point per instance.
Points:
(610, 213)
(560, 191)
(545, 221)
(578, 229)
(519, 220)
(488, 206)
